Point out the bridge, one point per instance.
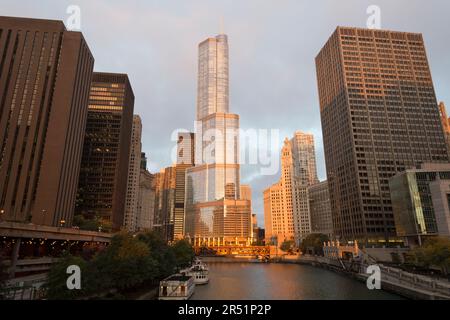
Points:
(30, 249)
(234, 250)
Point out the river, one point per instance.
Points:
(261, 281)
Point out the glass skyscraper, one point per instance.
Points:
(214, 212)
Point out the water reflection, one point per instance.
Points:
(237, 281)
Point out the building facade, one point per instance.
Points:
(440, 196)
(165, 189)
(304, 157)
(185, 160)
(379, 117)
(214, 209)
(45, 73)
(146, 202)
(134, 173)
(320, 209)
(445, 120)
(412, 201)
(102, 185)
(286, 203)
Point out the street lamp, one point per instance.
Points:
(2, 211)
(62, 223)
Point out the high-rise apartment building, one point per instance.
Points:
(320, 209)
(102, 185)
(304, 157)
(134, 172)
(379, 116)
(214, 209)
(45, 75)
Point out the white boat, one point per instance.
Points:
(176, 287)
(198, 263)
(198, 272)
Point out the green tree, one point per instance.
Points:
(434, 252)
(3, 277)
(314, 242)
(183, 252)
(126, 263)
(160, 251)
(56, 284)
(287, 246)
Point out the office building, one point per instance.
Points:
(185, 160)
(379, 117)
(320, 209)
(134, 172)
(45, 75)
(102, 185)
(165, 189)
(413, 194)
(304, 158)
(215, 212)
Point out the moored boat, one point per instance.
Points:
(176, 287)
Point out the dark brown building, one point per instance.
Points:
(45, 75)
(379, 116)
(102, 185)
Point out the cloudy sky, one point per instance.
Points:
(272, 49)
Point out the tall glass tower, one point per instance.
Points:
(214, 212)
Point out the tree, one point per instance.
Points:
(434, 252)
(160, 251)
(314, 242)
(287, 246)
(124, 264)
(3, 277)
(183, 253)
(56, 284)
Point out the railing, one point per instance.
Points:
(414, 281)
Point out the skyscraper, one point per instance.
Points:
(185, 160)
(304, 157)
(134, 172)
(45, 73)
(102, 185)
(214, 209)
(320, 209)
(379, 116)
(286, 203)
(165, 190)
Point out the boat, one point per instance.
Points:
(176, 287)
(199, 272)
(199, 263)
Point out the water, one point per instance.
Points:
(260, 281)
